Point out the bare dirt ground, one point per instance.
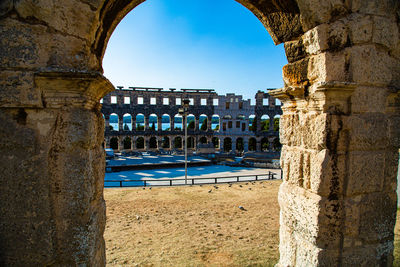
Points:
(197, 226)
(193, 225)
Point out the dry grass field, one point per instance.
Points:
(196, 226)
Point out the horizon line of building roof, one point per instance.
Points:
(158, 89)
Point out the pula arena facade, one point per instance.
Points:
(148, 119)
(339, 129)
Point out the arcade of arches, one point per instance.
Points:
(339, 129)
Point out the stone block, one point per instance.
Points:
(391, 170)
(376, 7)
(361, 27)
(327, 67)
(365, 172)
(17, 90)
(386, 31)
(369, 99)
(369, 255)
(314, 12)
(73, 17)
(377, 217)
(367, 131)
(369, 66)
(294, 50)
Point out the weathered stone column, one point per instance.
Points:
(56, 215)
(233, 144)
(159, 124)
(120, 123)
(340, 134)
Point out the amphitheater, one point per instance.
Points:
(339, 129)
(148, 119)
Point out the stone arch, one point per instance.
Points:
(166, 122)
(191, 122)
(203, 140)
(114, 143)
(277, 117)
(153, 144)
(191, 143)
(178, 142)
(127, 122)
(264, 144)
(252, 123)
(178, 122)
(114, 122)
(215, 122)
(140, 143)
(127, 143)
(340, 54)
(140, 122)
(265, 123)
(240, 144)
(252, 144)
(203, 122)
(227, 144)
(153, 122)
(165, 143)
(215, 141)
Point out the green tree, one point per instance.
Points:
(204, 125)
(153, 126)
(191, 125)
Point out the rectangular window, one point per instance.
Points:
(224, 126)
(191, 101)
(101, 101)
(238, 124)
(140, 100)
(153, 101)
(237, 100)
(113, 99)
(215, 101)
(278, 102)
(240, 105)
(243, 126)
(127, 100)
(178, 101)
(203, 102)
(166, 101)
(227, 105)
(229, 124)
(265, 102)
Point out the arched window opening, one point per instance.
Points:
(264, 123)
(153, 143)
(153, 122)
(191, 122)
(165, 122)
(190, 143)
(178, 122)
(140, 143)
(114, 143)
(127, 143)
(215, 123)
(240, 144)
(114, 122)
(276, 122)
(140, 122)
(252, 144)
(252, 123)
(203, 140)
(227, 144)
(165, 142)
(127, 122)
(178, 142)
(264, 144)
(203, 121)
(215, 141)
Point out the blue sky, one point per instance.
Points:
(215, 44)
